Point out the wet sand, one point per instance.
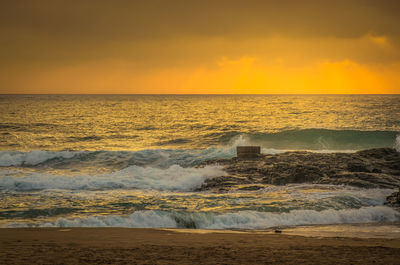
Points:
(155, 246)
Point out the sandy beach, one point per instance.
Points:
(154, 246)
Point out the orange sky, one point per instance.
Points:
(195, 47)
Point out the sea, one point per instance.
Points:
(133, 160)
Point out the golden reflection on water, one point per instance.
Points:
(138, 122)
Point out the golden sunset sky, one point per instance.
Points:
(196, 47)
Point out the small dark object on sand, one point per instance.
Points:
(277, 231)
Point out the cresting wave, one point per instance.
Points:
(271, 143)
(174, 178)
(324, 139)
(161, 158)
(237, 220)
(31, 158)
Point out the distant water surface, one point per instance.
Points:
(137, 122)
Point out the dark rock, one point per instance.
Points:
(375, 168)
(359, 167)
(251, 188)
(393, 199)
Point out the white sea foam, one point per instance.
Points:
(241, 220)
(31, 158)
(149, 157)
(140, 219)
(397, 144)
(241, 140)
(256, 220)
(173, 178)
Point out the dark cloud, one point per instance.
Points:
(99, 20)
(57, 31)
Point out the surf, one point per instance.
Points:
(236, 220)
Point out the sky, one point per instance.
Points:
(200, 47)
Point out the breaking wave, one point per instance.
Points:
(237, 220)
(174, 178)
(161, 158)
(150, 157)
(271, 143)
(15, 158)
(323, 139)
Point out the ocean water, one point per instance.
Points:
(131, 160)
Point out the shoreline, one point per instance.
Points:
(384, 230)
(161, 246)
(389, 230)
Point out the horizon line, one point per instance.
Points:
(191, 94)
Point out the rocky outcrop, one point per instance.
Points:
(393, 200)
(375, 168)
